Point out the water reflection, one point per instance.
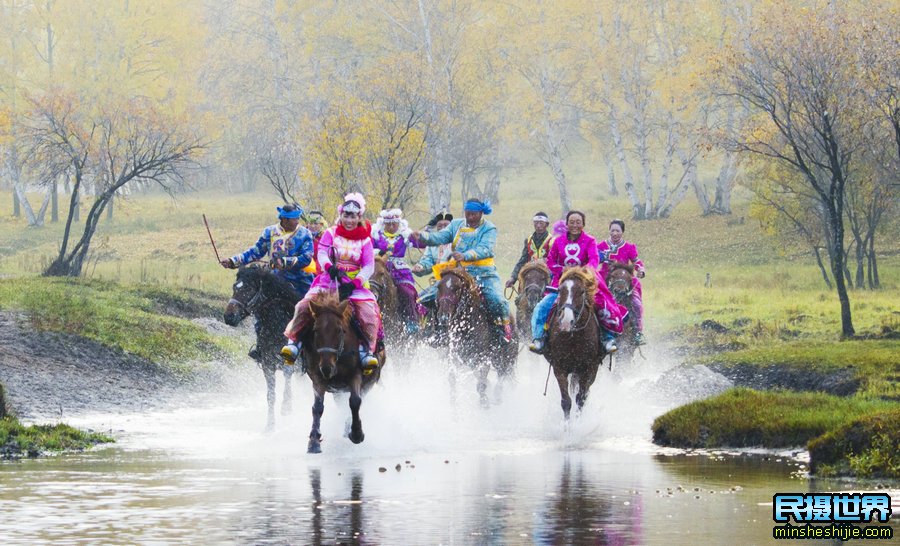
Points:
(581, 512)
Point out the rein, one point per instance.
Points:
(578, 315)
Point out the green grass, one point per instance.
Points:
(116, 316)
(867, 447)
(745, 417)
(17, 439)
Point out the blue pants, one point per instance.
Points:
(491, 289)
(541, 313)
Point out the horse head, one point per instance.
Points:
(533, 279)
(331, 331)
(619, 278)
(381, 280)
(247, 294)
(457, 291)
(575, 304)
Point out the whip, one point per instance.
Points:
(216, 250)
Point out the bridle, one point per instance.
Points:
(578, 314)
(255, 304)
(620, 286)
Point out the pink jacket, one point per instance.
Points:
(565, 253)
(354, 257)
(626, 253)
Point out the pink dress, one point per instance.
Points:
(565, 253)
(626, 252)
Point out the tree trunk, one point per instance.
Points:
(54, 201)
(835, 224)
(822, 267)
(860, 268)
(661, 202)
(109, 209)
(727, 173)
(610, 175)
(636, 213)
(688, 179)
(873, 264)
(17, 209)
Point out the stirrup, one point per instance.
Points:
(639, 338)
(536, 346)
(610, 346)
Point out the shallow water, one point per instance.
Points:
(207, 474)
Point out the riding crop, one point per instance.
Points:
(216, 250)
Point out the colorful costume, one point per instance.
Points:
(350, 251)
(626, 252)
(477, 247)
(295, 249)
(393, 247)
(581, 252)
(536, 248)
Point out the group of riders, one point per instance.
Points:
(341, 259)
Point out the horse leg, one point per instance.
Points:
(288, 398)
(562, 378)
(482, 372)
(356, 431)
(585, 380)
(269, 373)
(318, 408)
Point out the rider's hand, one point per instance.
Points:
(414, 236)
(382, 252)
(641, 273)
(418, 268)
(510, 283)
(277, 263)
(334, 273)
(604, 257)
(227, 263)
(344, 290)
(458, 256)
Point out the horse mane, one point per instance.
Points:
(327, 301)
(535, 264)
(584, 275)
(467, 279)
(614, 265)
(282, 287)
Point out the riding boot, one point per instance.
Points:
(367, 360)
(507, 330)
(254, 353)
(639, 338)
(291, 352)
(609, 342)
(537, 346)
(412, 327)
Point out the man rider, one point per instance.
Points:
(290, 247)
(473, 240)
(536, 247)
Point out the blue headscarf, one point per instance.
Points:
(290, 214)
(474, 205)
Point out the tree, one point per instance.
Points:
(795, 73)
(122, 143)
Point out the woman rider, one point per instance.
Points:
(616, 248)
(575, 249)
(390, 237)
(347, 261)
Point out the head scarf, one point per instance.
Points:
(289, 211)
(353, 202)
(475, 205)
(316, 217)
(541, 217)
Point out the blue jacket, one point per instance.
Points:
(476, 244)
(296, 249)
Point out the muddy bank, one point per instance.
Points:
(50, 376)
(774, 376)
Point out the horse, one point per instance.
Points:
(381, 283)
(619, 280)
(330, 349)
(471, 335)
(533, 279)
(574, 349)
(270, 299)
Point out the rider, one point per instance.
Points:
(390, 237)
(434, 254)
(347, 261)
(575, 249)
(536, 247)
(473, 241)
(316, 224)
(618, 249)
(290, 246)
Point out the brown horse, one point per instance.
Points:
(381, 283)
(533, 279)
(330, 347)
(472, 336)
(573, 346)
(619, 280)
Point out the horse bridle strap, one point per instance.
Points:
(331, 350)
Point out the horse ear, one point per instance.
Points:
(313, 308)
(344, 309)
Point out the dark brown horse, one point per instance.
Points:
(331, 350)
(382, 284)
(619, 280)
(573, 347)
(471, 335)
(270, 299)
(533, 279)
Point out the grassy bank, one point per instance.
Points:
(17, 440)
(138, 320)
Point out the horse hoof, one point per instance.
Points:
(269, 428)
(357, 438)
(314, 448)
(286, 409)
